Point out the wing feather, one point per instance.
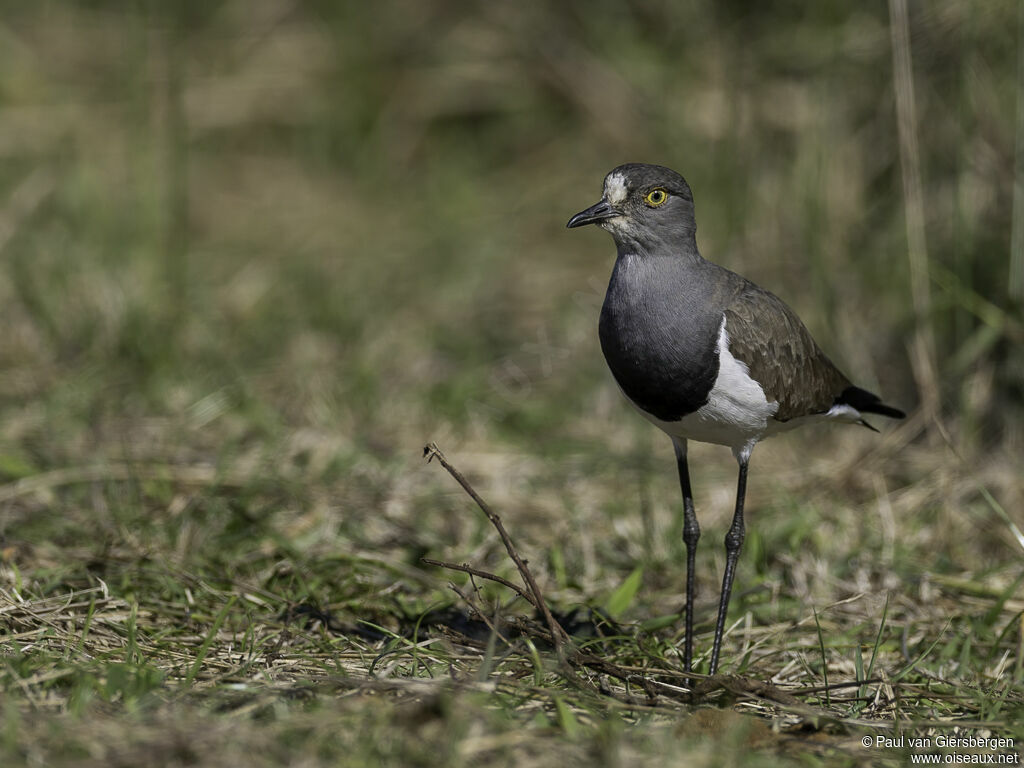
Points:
(782, 356)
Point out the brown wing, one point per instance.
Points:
(768, 336)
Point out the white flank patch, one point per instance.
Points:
(737, 412)
(615, 189)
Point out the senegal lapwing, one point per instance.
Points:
(703, 353)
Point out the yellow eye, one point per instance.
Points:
(656, 197)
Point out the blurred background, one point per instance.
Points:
(290, 242)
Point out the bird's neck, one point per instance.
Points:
(682, 250)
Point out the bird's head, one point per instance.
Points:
(643, 205)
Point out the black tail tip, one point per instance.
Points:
(868, 402)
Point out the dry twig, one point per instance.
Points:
(483, 575)
(558, 635)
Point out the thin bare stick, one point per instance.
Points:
(483, 575)
(603, 666)
(476, 609)
(558, 635)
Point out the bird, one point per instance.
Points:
(703, 353)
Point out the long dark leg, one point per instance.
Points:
(733, 543)
(691, 533)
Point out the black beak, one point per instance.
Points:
(593, 214)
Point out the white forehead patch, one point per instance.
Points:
(615, 188)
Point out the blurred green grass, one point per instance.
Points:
(254, 255)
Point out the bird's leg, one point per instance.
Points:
(691, 533)
(733, 542)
